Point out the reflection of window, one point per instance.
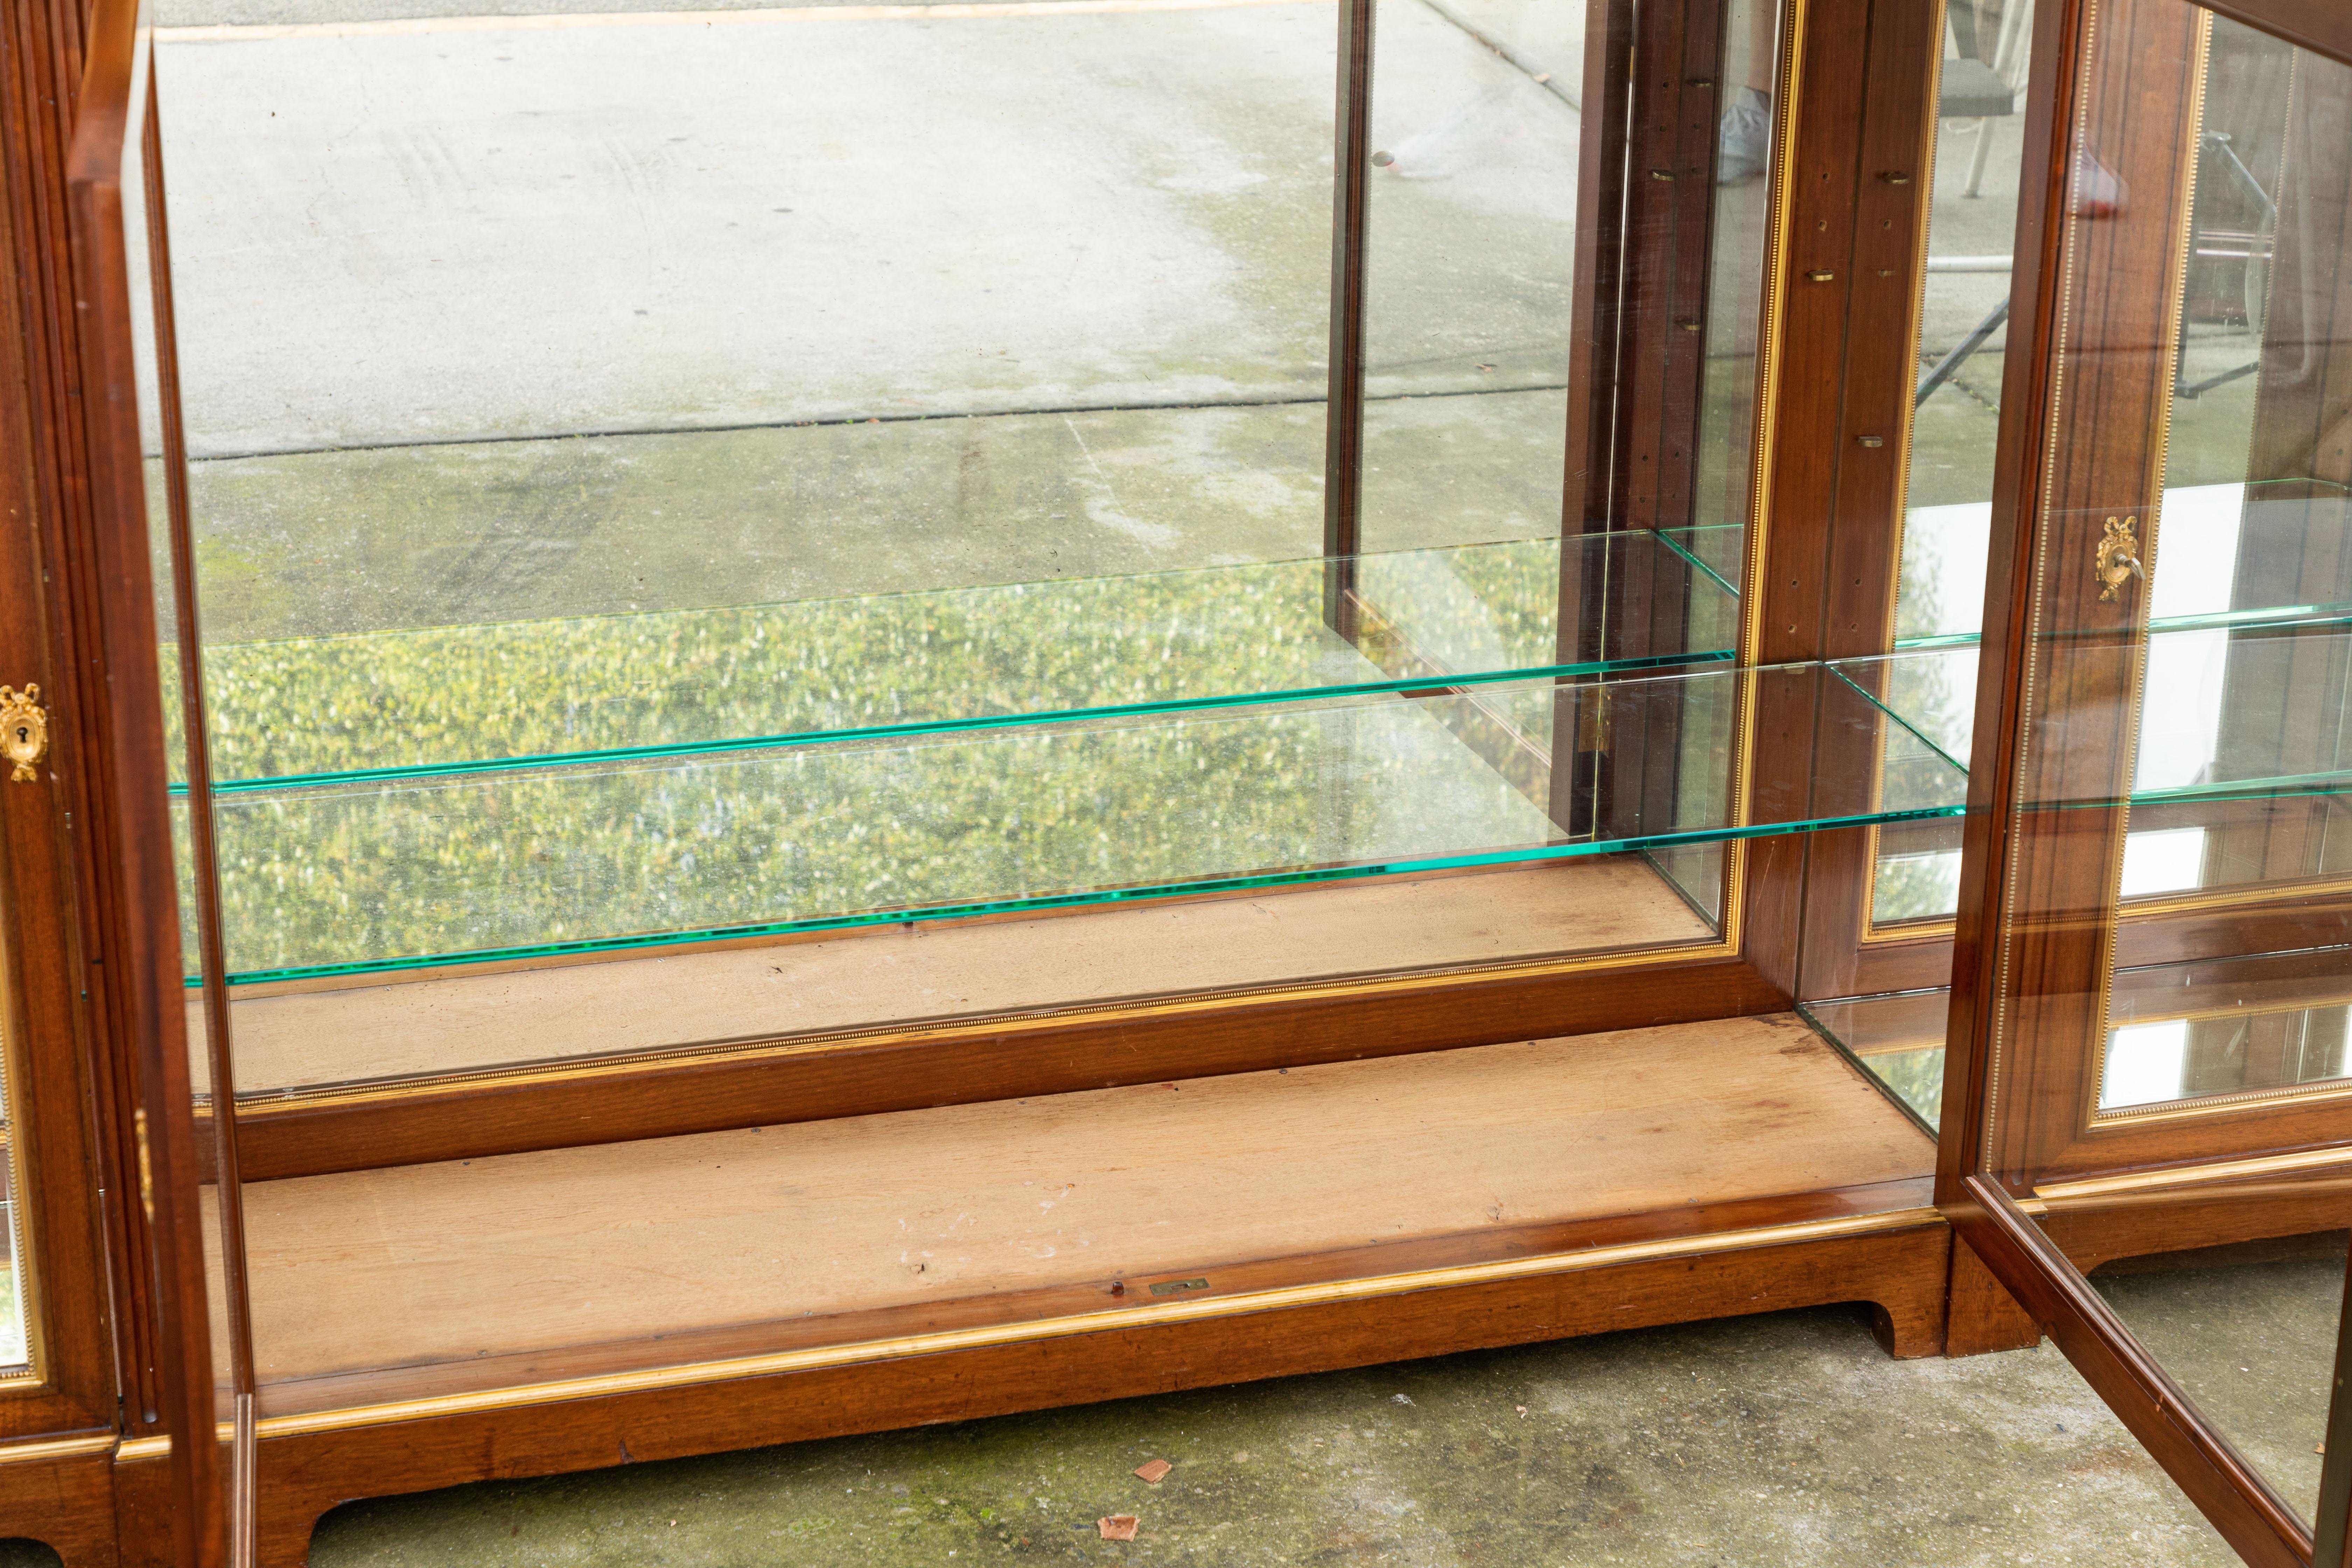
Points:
(2144, 1064)
(2162, 862)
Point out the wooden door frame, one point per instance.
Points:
(1974, 1176)
(2066, 948)
(144, 979)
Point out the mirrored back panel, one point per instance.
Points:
(793, 489)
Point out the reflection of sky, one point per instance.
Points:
(1944, 551)
(2191, 572)
(2144, 1064)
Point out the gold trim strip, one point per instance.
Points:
(2215, 1104)
(56, 1449)
(897, 1349)
(2192, 1175)
(2239, 895)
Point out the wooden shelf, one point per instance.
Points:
(431, 1280)
(437, 1024)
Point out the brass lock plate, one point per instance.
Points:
(23, 730)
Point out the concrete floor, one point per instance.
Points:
(1786, 1440)
(1782, 1439)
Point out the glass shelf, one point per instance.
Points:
(1897, 1038)
(2186, 753)
(2219, 1031)
(452, 700)
(349, 876)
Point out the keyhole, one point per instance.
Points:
(24, 734)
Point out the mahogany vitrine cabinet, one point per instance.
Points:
(738, 725)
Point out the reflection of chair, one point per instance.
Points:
(2254, 247)
(1949, 366)
(1975, 92)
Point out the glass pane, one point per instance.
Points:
(881, 491)
(886, 485)
(2224, 1028)
(2169, 1071)
(583, 315)
(1732, 321)
(2189, 724)
(2239, 760)
(1477, 124)
(1897, 1038)
(2249, 1333)
(16, 1261)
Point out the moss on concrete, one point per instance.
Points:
(1787, 1439)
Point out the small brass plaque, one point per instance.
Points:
(1175, 1287)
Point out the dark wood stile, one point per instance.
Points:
(1814, 277)
(144, 984)
(1859, 557)
(44, 946)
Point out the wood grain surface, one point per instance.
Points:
(574, 1246)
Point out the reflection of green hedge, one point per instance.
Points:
(537, 688)
(368, 872)
(1917, 1077)
(12, 1330)
(371, 872)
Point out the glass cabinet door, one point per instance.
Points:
(2153, 1147)
(2183, 655)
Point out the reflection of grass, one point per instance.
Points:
(1916, 1077)
(368, 872)
(319, 705)
(1916, 888)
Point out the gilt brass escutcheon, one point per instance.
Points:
(2117, 557)
(23, 730)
